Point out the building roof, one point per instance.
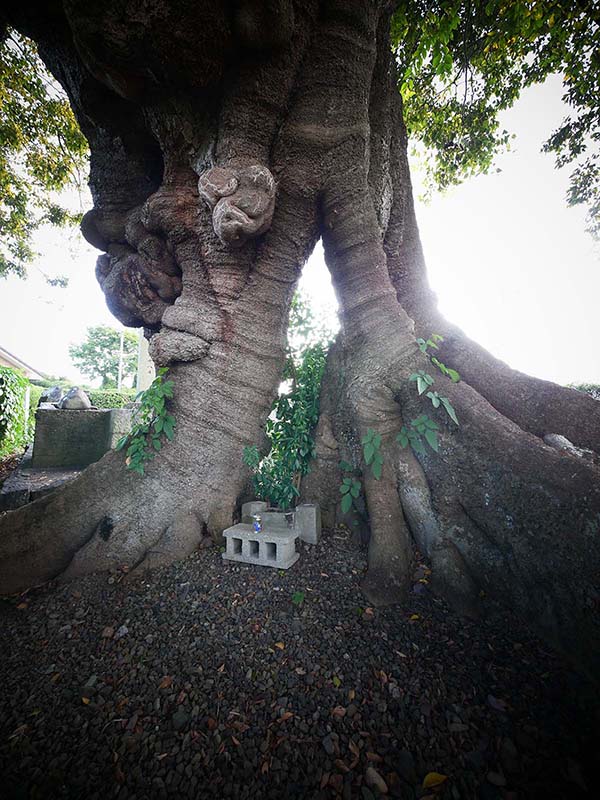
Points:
(9, 360)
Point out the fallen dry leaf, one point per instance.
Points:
(374, 757)
(280, 645)
(339, 711)
(433, 779)
(166, 682)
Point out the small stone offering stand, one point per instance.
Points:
(275, 544)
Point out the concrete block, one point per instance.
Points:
(274, 548)
(254, 507)
(277, 520)
(307, 522)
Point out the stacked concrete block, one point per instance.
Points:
(305, 519)
(274, 548)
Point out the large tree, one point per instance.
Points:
(225, 140)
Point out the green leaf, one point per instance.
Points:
(122, 442)
(344, 488)
(369, 451)
(345, 466)
(434, 397)
(355, 492)
(417, 445)
(377, 441)
(449, 408)
(421, 384)
(402, 439)
(346, 503)
(453, 375)
(376, 469)
(431, 437)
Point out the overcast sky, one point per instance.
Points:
(510, 263)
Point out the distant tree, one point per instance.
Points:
(98, 355)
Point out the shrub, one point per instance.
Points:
(35, 392)
(13, 387)
(102, 398)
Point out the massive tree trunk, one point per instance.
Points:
(224, 141)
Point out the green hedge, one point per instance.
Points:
(35, 392)
(13, 387)
(111, 398)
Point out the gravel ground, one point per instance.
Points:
(206, 680)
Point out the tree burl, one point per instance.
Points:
(225, 140)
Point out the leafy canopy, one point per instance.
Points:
(461, 62)
(98, 355)
(42, 151)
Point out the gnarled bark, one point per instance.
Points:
(214, 169)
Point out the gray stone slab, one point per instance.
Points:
(25, 485)
(75, 438)
(253, 507)
(274, 548)
(277, 520)
(307, 522)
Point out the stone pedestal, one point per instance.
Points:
(274, 548)
(68, 438)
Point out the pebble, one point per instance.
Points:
(239, 718)
(375, 781)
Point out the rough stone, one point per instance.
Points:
(51, 395)
(75, 399)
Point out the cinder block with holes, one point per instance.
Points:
(275, 548)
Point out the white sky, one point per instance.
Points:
(511, 264)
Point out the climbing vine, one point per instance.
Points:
(294, 415)
(418, 433)
(153, 424)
